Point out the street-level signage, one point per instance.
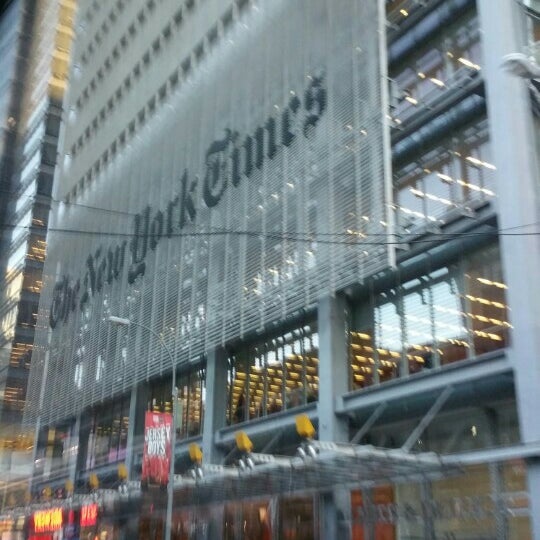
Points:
(48, 520)
(157, 448)
(89, 513)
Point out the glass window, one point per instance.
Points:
(16, 259)
(441, 64)
(453, 175)
(13, 289)
(107, 439)
(247, 520)
(8, 323)
(443, 316)
(191, 386)
(298, 518)
(14, 394)
(21, 354)
(389, 339)
(27, 314)
(418, 326)
(486, 302)
(410, 207)
(40, 215)
(274, 375)
(21, 228)
(32, 280)
(37, 247)
(449, 318)
(34, 139)
(24, 201)
(365, 367)
(30, 168)
(191, 399)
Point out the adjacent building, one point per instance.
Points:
(35, 51)
(312, 207)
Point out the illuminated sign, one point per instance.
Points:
(48, 520)
(89, 515)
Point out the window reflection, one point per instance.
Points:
(36, 248)
(486, 301)
(442, 64)
(191, 399)
(277, 374)
(191, 386)
(107, 439)
(446, 315)
(452, 176)
(21, 354)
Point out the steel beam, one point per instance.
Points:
(429, 416)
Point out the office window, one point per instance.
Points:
(107, 438)
(441, 64)
(446, 315)
(191, 386)
(446, 180)
(274, 375)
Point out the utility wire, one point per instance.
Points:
(350, 239)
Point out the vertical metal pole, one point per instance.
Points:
(170, 485)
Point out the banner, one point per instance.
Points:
(157, 449)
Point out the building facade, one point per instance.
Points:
(313, 208)
(35, 54)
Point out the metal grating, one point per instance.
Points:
(302, 85)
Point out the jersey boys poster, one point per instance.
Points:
(157, 448)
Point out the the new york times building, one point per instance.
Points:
(295, 206)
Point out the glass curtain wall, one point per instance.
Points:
(445, 181)
(273, 375)
(108, 429)
(191, 386)
(445, 62)
(446, 315)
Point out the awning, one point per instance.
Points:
(325, 466)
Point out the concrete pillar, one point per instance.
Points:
(333, 366)
(513, 142)
(216, 403)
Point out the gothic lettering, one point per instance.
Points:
(139, 245)
(227, 161)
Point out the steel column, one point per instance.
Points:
(333, 367)
(216, 404)
(513, 142)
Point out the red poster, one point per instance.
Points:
(157, 448)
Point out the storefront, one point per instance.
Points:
(12, 528)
